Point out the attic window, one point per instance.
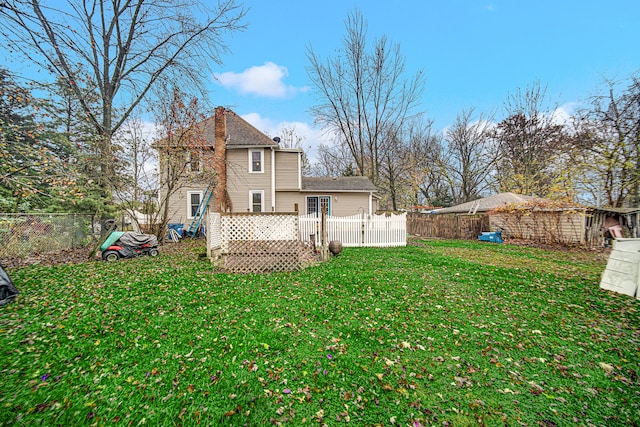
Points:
(256, 161)
(194, 161)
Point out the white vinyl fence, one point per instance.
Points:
(357, 230)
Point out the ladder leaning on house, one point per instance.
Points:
(202, 209)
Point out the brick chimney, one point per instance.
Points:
(220, 159)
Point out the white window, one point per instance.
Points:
(256, 161)
(256, 200)
(193, 201)
(194, 161)
(316, 203)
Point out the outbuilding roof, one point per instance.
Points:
(489, 203)
(337, 184)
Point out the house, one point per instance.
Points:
(252, 173)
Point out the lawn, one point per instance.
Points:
(445, 333)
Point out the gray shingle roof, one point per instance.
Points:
(240, 132)
(337, 184)
(489, 203)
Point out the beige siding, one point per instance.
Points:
(178, 201)
(342, 204)
(287, 171)
(545, 226)
(178, 207)
(286, 201)
(240, 181)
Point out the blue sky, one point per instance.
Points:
(474, 53)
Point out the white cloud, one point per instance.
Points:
(564, 113)
(261, 80)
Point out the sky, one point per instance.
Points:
(474, 53)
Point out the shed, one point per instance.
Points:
(528, 217)
(600, 220)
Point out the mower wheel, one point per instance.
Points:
(154, 252)
(110, 256)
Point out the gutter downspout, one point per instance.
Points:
(299, 171)
(273, 179)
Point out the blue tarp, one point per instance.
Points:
(491, 236)
(178, 228)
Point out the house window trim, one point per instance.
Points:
(319, 197)
(189, 193)
(256, 150)
(251, 193)
(199, 166)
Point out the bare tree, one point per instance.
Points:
(121, 48)
(608, 142)
(406, 155)
(290, 138)
(470, 155)
(139, 162)
(427, 172)
(332, 160)
(528, 140)
(363, 93)
(184, 155)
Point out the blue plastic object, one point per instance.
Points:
(178, 228)
(491, 236)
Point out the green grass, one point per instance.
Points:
(444, 333)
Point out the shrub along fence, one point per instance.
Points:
(23, 235)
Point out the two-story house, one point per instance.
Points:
(254, 174)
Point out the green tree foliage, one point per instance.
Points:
(119, 50)
(68, 122)
(36, 163)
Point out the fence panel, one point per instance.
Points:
(447, 226)
(348, 230)
(22, 235)
(248, 243)
(252, 243)
(357, 231)
(310, 225)
(386, 231)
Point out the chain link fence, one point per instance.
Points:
(23, 235)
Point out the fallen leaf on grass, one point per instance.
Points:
(607, 367)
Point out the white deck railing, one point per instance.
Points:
(351, 231)
(357, 230)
